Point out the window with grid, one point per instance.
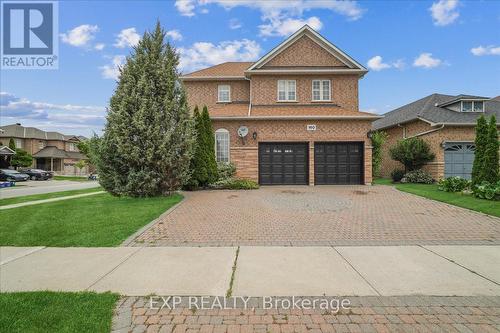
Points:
(321, 90)
(286, 91)
(222, 145)
(224, 93)
(472, 106)
(41, 144)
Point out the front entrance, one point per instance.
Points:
(283, 163)
(458, 159)
(338, 163)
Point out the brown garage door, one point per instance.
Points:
(338, 163)
(283, 163)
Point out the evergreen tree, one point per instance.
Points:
(12, 144)
(209, 141)
(21, 159)
(198, 168)
(147, 142)
(480, 143)
(490, 161)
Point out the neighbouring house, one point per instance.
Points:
(5, 156)
(446, 122)
(292, 117)
(51, 151)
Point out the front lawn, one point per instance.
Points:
(431, 191)
(97, 220)
(34, 197)
(56, 312)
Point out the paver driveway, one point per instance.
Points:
(321, 215)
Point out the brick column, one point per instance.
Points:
(368, 165)
(311, 163)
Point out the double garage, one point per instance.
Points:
(287, 163)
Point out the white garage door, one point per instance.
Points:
(458, 159)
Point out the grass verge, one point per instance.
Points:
(56, 312)
(74, 178)
(97, 220)
(34, 197)
(430, 191)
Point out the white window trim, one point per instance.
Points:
(219, 91)
(223, 130)
(286, 92)
(321, 91)
(472, 101)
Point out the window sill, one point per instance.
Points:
(322, 101)
(222, 102)
(287, 101)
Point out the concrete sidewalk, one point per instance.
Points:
(261, 271)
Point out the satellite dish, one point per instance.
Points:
(243, 131)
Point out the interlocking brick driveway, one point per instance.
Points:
(321, 215)
(366, 314)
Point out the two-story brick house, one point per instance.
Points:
(51, 151)
(292, 117)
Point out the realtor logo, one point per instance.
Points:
(29, 35)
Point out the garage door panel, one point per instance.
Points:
(283, 163)
(338, 163)
(458, 159)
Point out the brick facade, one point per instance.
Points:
(205, 92)
(435, 139)
(304, 52)
(244, 154)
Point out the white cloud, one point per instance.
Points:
(49, 116)
(234, 23)
(426, 60)
(185, 7)
(112, 71)
(485, 50)
(127, 37)
(444, 12)
(99, 46)
(80, 36)
(205, 54)
(377, 64)
(279, 12)
(280, 26)
(174, 34)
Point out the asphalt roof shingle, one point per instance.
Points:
(222, 70)
(428, 109)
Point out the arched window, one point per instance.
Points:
(222, 145)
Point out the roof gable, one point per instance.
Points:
(342, 58)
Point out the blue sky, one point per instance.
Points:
(413, 48)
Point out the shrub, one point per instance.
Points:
(413, 153)
(454, 184)
(486, 190)
(417, 176)
(378, 138)
(236, 184)
(480, 143)
(397, 175)
(225, 170)
(491, 172)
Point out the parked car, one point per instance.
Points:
(13, 175)
(37, 174)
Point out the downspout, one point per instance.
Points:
(250, 101)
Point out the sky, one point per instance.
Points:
(412, 49)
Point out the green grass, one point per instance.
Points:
(431, 191)
(97, 220)
(26, 198)
(56, 312)
(75, 178)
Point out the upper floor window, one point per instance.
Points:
(71, 146)
(224, 93)
(286, 91)
(321, 90)
(472, 106)
(41, 144)
(222, 145)
(19, 143)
